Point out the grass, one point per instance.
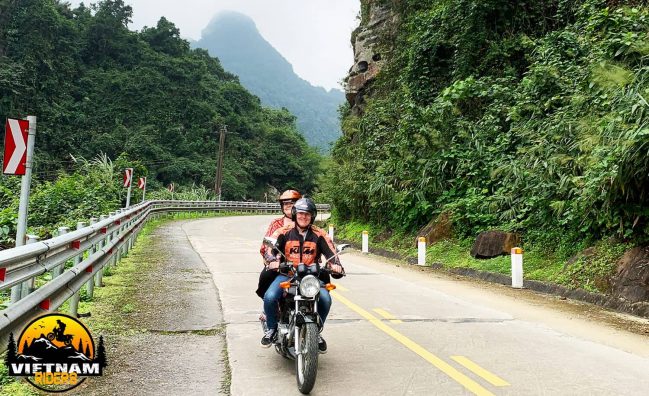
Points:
(10, 386)
(540, 263)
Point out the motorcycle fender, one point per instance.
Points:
(301, 318)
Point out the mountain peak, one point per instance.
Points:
(234, 38)
(229, 20)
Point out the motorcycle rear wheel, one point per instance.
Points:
(306, 364)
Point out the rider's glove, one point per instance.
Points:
(337, 271)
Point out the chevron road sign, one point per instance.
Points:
(141, 183)
(15, 154)
(128, 177)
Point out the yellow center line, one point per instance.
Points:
(446, 368)
(386, 315)
(490, 377)
(341, 288)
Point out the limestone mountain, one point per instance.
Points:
(235, 40)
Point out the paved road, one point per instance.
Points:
(395, 330)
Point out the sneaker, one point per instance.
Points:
(268, 339)
(322, 344)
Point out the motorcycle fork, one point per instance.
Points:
(296, 328)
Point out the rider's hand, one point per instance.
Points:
(336, 268)
(273, 265)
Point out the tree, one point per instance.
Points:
(101, 353)
(165, 37)
(11, 351)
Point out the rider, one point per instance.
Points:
(286, 201)
(302, 243)
(61, 328)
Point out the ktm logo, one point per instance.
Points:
(305, 251)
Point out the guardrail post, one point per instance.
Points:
(74, 300)
(16, 293)
(28, 285)
(58, 270)
(90, 285)
(100, 272)
(116, 256)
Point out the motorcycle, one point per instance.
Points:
(299, 323)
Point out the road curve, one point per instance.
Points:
(397, 330)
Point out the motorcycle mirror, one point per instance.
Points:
(341, 249)
(270, 242)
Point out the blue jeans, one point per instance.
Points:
(274, 294)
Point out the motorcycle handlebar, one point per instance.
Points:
(286, 267)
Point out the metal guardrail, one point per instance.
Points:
(91, 249)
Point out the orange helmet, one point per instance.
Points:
(289, 195)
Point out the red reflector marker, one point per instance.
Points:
(45, 304)
(104, 230)
(3, 274)
(89, 268)
(75, 245)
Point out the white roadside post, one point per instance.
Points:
(421, 251)
(25, 185)
(331, 232)
(365, 242)
(517, 268)
(128, 176)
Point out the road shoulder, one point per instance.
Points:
(161, 319)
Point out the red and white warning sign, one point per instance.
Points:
(128, 177)
(171, 187)
(15, 158)
(141, 183)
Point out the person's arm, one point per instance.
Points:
(264, 250)
(326, 247)
(275, 257)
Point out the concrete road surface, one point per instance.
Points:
(397, 330)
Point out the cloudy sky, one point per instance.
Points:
(313, 35)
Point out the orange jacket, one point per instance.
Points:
(307, 249)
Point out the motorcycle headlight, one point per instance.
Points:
(310, 286)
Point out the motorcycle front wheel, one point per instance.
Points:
(306, 363)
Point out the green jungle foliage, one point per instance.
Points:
(98, 87)
(525, 116)
(89, 189)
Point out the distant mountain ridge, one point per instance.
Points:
(235, 40)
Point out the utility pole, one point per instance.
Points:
(219, 166)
